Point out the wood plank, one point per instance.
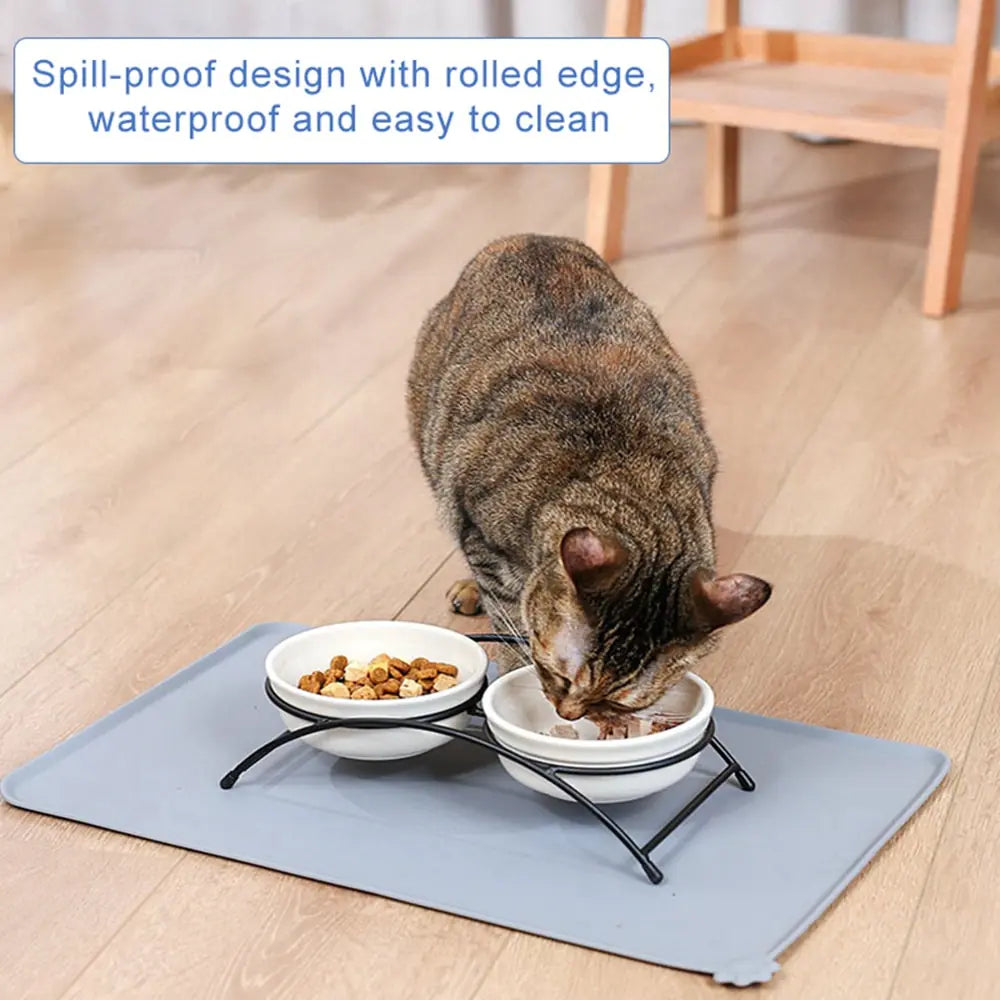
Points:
(859, 51)
(694, 52)
(953, 948)
(865, 104)
(296, 938)
(97, 893)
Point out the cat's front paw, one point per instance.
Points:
(463, 595)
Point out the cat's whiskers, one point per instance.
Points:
(500, 614)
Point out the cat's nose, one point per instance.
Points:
(572, 707)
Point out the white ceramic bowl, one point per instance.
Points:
(313, 649)
(520, 716)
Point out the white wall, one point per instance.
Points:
(930, 20)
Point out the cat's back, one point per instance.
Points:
(532, 287)
(543, 320)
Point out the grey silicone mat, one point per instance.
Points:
(745, 875)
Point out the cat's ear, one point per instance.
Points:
(593, 562)
(723, 600)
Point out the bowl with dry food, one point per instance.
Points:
(522, 719)
(376, 669)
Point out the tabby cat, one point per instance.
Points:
(563, 439)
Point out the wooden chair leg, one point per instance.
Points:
(722, 170)
(609, 181)
(722, 142)
(606, 208)
(959, 157)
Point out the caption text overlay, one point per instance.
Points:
(341, 100)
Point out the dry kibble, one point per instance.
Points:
(312, 682)
(384, 677)
(337, 689)
(410, 689)
(356, 672)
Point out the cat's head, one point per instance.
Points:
(611, 633)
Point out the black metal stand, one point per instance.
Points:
(552, 773)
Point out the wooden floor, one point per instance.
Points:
(202, 426)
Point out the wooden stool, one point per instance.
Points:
(847, 86)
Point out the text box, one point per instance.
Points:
(341, 100)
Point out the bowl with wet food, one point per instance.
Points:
(522, 719)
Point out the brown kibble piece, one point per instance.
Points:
(396, 673)
(419, 663)
(364, 693)
(312, 682)
(337, 666)
(401, 665)
(391, 686)
(447, 668)
(427, 673)
(336, 689)
(427, 683)
(410, 689)
(355, 672)
(378, 673)
(443, 681)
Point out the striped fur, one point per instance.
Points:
(544, 397)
